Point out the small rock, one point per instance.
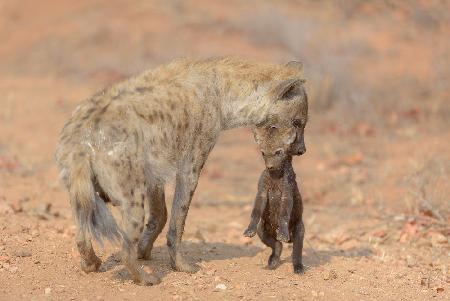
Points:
(43, 211)
(5, 208)
(47, 291)
(199, 236)
(424, 281)
(16, 207)
(410, 261)
(235, 225)
(220, 287)
(438, 239)
(439, 289)
(245, 240)
(330, 275)
(13, 270)
(211, 272)
(4, 258)
(22, 253)
(379, 233)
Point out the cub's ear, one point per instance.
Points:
(289, 137)
(286, 89)
(295, 65)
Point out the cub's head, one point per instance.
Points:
(275, 144)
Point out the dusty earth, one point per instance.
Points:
(375, 178)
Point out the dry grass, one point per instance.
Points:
(429, 187)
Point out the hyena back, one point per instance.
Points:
(124, 143)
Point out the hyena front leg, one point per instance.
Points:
(156, 221)
(258, 208)
(186, 182)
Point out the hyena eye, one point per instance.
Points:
(278, 152)
(297, 123)
(263, 153)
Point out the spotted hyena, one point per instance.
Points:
(278, 208)
(123, 144)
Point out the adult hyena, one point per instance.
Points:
(123, 144)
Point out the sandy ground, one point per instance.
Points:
(375, 178)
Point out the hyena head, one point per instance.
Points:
(289, 109)
(275, 144)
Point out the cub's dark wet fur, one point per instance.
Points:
(278, 208)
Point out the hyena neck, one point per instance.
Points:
(243, 111)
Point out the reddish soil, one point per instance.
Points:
(375, 177)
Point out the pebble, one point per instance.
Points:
(47, 291)
(438, 239)
(13, 269)
(22, 253)
(4, 258)
(330, 275)
(220, 287)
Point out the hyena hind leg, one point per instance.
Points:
(275, 245)
(297, 248)
(89, 261)
(125, 188)
(156, 221)
(133, 223)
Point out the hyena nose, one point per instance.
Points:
(301, 151)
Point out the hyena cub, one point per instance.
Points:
(278, 208)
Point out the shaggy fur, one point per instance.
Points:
(123, 144)
(278, 209)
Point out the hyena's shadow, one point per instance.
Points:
(195, 252)
(313, 258)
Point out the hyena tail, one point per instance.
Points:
(90, 211)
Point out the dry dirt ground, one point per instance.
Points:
(375, 178)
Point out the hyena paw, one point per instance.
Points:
(249, 232)
(144, 254)
(92, 265)
(182, 265)
(299, 268)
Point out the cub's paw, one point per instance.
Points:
(249, 232)
(273, 262)
(299, 268)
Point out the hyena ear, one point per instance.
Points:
(295, 65)
(290, 137)
(257, 134)
(287, 89)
